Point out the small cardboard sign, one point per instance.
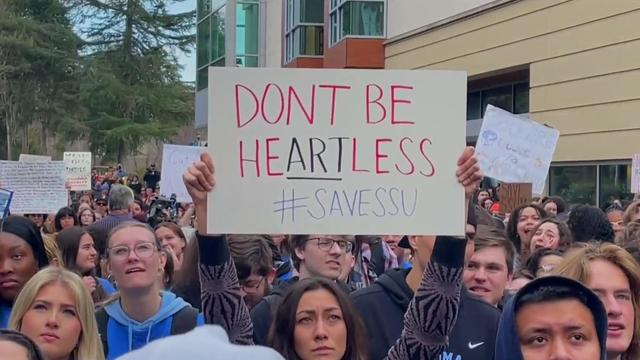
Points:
(513, 195)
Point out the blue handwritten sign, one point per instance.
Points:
(514, 149)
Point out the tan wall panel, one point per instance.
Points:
(613, 87)
(592, 35)
(600, 61)
(596, 118)
(598, 146)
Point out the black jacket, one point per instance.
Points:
(384, 303)
(262, 313)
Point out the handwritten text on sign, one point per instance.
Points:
(515, 150)
(635, 174)
(336, 152)
(175, 160)
(78, 170)
(38, 186)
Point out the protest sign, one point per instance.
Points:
(175, 160)
(5, 202)
(635, 174)
(336, 151)
(513, 195)
(34, 158)
(78, 170)
(515, 150)
(38, 187)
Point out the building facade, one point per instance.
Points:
(570, 64)
(243, 33)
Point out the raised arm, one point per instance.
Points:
(222, 302)
(432, 312)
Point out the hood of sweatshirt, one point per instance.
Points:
(170, 305)
(395, 285)
(507, 342)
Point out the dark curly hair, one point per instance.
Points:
(512, 225)
(589, 223)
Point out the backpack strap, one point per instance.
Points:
(103, 319)
(184, 320)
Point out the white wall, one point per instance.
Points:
(273, 37)
(408, 15)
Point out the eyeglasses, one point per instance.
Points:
(142, 250)
(326, 244)
(101, 204)
(251, 289)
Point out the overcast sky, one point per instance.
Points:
(188, 61)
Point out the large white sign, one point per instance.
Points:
(635, 174)
(34, 158)
(175, 160)
(336, 151)
(78, 170)
(38, 187)
(515, 150)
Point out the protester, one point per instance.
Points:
(37, 219)
(553, 318)
(384, 303)
(135, 185)
(630, 235)
(253, 259)
(79, 254)
(521, 223)
(86, 217)
(632, 213)
(554, 205)
(142, 312)
(186, 283)
(548, 234)
(55, 311)
(16, 346)
(423, 336)
(86, 198)
(135, 208)
(173, 240)
(481, 196)
(490, 268)
(52, 250)
(543, 261)
(22, 254)
(589, 223)
(615, 215)
(101, 207)
(65, 218)
(614, 275)
(120, 198)
(518, 281)
(151, 177)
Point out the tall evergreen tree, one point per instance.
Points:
(133, 92)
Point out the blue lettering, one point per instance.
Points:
(393, 201)
(415, 203)
(380, 202)
(324, 211)
(360, 213)
(351, 205)
(336, 199)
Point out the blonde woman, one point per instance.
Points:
(613, 274)
(55, 310)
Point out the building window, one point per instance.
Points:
(210, 41)
(594, 184)
(247, 33)
(513, 98)
(304, 29)
(351, 18)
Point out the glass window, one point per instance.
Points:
(362, 18)
(202, 79)
(521, 98)
(474, 111)
(312, 11)
(615, 183)
(247, 61)
(203, 43)
(217, 3)
(217, 34)
(576, 184)
(204, 8)
(501, 97)
(247, 28)
(310, 40)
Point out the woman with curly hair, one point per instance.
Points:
(589, 223)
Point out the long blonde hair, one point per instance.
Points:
(89, 345)
(576, 266)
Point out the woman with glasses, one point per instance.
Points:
(141, 312)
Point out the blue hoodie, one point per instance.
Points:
(507, 342)
(125, 334)
(5, 314)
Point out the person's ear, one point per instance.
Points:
(271, 276)
(299, 253)
(413, 242)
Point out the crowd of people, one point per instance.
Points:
(123, 272)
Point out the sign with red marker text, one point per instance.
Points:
(336, 151)
(78, 170)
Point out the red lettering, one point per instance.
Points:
(395, 101)
(354, 165)
(377, 102)
(333, 97)
(264, 100)
(411, 166)
(269, 157)
(255, 99)
(310, 117)
(433, 168)
(380, 156)
(256, 161)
